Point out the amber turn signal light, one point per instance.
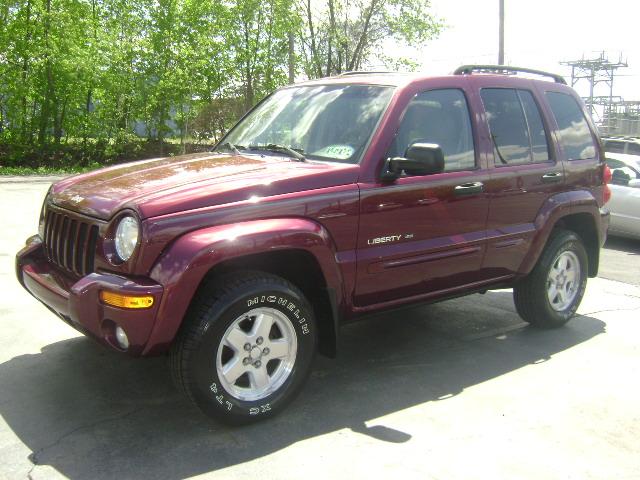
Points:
(126, 301)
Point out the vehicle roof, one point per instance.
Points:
(399, 79)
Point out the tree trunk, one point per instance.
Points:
(291, 59)
(48, 103)
(356, 59)
(25, 70)
(59, 122)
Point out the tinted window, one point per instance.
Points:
(614, 146)
(516, 126)
(575, 136)
(440, 117)
(633, 149)
(539, 145)
(507, 124)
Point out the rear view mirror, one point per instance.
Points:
(419, 159)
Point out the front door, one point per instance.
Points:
(423, 235)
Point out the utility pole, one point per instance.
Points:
(501, 35)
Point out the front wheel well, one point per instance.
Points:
(583, 225)
(301, 269)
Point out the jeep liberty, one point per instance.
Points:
(329, 200)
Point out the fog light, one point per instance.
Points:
(126, 301)
(121, 338)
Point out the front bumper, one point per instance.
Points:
(77, 301)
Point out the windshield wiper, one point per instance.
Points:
(296, 153)
(235, 149)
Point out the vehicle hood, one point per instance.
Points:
(168, 185)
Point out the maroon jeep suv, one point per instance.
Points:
(330, 199)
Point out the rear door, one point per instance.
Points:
(425, 234)
(525, 172)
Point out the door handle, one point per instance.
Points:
(552, 177)
(469, 188)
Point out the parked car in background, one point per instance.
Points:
(625, 194)
(626, 145)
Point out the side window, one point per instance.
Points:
(575, 136)
(539, 143)
(440, 117)
(621, 173)
(507, 124)
(633, 149)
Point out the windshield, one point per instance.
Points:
(327, 122)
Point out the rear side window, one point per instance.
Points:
(440, 117)
(539, 145)
(575, 137)
(516, 126)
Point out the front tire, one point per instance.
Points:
(246, 347)
(550, 295)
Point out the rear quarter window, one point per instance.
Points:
(575, 136)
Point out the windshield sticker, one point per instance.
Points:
(341, 152)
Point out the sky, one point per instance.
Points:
(539, 34)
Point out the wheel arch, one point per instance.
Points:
(583, 225)
(577, 211)
(299, 250)
(302, 269)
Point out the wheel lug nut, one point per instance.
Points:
(246, 361)
(259, 340)
(257, 363)
(265, 351)
(247, 346)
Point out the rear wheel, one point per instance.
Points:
(246, 347)
(550, 295)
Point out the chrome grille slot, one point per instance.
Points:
(70, 242)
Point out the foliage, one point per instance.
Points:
(85, 81)
(346, 35)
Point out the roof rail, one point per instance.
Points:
(506, 70)
(363, 72)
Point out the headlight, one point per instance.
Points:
(127, 237)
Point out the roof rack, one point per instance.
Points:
(506, 70)
(364, 72)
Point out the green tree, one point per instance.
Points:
(341, 35)
(78, 77)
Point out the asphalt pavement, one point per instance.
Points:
(457, 390)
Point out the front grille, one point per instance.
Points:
(70, 242)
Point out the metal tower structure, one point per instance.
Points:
(597, 70)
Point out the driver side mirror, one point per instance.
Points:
(419, 159)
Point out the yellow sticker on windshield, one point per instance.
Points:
(341, 152)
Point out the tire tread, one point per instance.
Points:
(529, 294)
(209, 298)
